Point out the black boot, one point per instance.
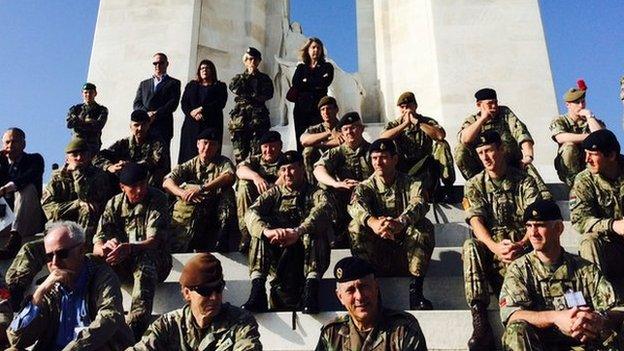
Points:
(223, 238)
(11, 247)
(482, 337)
(417, 300)
(257, 301)
(309, 301)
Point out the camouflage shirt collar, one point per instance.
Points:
(127, 209)
(543, 272)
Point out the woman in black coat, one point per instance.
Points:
(311, 80)
(202, 102)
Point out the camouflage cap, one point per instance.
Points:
(289, 157)
(270, 137)
(76, 144)
(348, 118)
(573, 94)
(383, 145)
(406, 98)
(543, 211)
(139, 116)
(327, 100)
(488, 137)
(486, 94)
(88, 86)
(602, 140)
(253, 52)
(132, 174)
(352, 268)
(202, 270)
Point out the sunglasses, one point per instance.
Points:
(61, 254)
(156, 63)
(206, 291)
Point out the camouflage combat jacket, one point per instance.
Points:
(195, 172)
(342, 162)
(87, 121)
(268, 171)
(413, 144)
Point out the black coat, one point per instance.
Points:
(164, 101)
(28, 170)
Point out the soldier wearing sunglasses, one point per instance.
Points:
(205, 322)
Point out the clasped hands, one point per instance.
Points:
(580, 323)
(386, 227)
(115, 252)
(283, 236)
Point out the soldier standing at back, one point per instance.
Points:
(389, 228)
(515, 138)
(341, 169)
(249, 119)
(88, 119)
(569, 131)
(597, 206)
(423, 152)
(494, 202)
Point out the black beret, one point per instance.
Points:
(488, 137)
(327, 100)
(485, 94)
(602, 140)
(542, 211)
(270, 137)
(289, 157)
(88, 86)
(406, 98)
(139, 116)
(202, 270)
(132, 173)
(253, 52)
(348, 118)
(383, 144)
(352, 268)
(76, 144)
(209, 134)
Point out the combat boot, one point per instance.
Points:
(12, 246)
(309, 301)
(257, 301)
(482, 337)
(417, 300)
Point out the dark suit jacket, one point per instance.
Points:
(164, 101)
(28, 170)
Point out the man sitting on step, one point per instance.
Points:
(494, 201)
(553, 300)
(205, 322)
(367, 326)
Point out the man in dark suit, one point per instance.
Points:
(159, 96)
(21, 178)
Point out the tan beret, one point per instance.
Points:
(202, 270)
(573, 95)
(406, 98)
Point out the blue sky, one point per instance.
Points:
(46, 46)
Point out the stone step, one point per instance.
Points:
(559, 191)
(454, 213)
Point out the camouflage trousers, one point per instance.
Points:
(433, 168)
(569, 162)
(29, 261)
(247, 125)
(310, 156)
(246, 194)
(409, 254)
(198, 226)
(607, 252)
(341, 218)
(520, 335)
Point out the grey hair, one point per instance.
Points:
(76, 233)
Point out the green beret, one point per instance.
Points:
(488, 137)
(486, 94)
(406, 98)
(209, 134)
(543, 211)
(139, 116)
(352, 268)
(132, 174)
(76, 144)
(327, 100)
(270, 137)
(602, 140)
(202, 270)
(253, 52)
(348, 118)
(573, 94)
(383, 145)
(289, 157)
(88, 86)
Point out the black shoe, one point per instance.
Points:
(223, 241)
(417, 300)
(12, 246)
(257, 301)
(340, 242)
(309, 301)
(482, 337)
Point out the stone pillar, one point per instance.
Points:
(367, 61)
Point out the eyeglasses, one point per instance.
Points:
(206, 291)
(156, 63)
(61, 254)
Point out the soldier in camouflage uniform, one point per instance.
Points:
(341, 169)
(423, 152)
(569, 131)
(257, 174)
(389, 228)
(367, 326)
(597, 206)
(205, 210)
(205, 322)
(249, 119)
(321, 137)
(553, 300)
(88, 119)
(141, 147)
(289, 225)
(494, 202)
(516, 139)
(78, 306)
(133, 237)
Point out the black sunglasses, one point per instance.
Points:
(206, 291)
(159, 63)
(60, 254)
